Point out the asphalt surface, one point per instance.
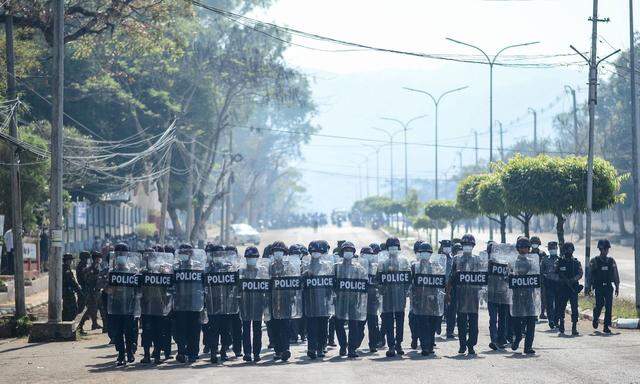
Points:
(591, 357)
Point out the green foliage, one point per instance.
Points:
(525, 181)
(467, 193)
(411, 204)
(444, 210)
(425, 222)
(146, 229)
(491, 196)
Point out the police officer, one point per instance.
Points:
(92, 292)
(466, 281)
(535, 248)
(80, 270)
(266, 254)
(394, 278)
(188, 301)
(569, 272)
(525, 295)
(351, 300)
(369, 256)
(427, 295)
(236, 323)
(168, 324)
(317, 297)
(412, 325)
(254, 288)
(156, 302)
(70, 288)
(550, 282)
(449, 310)
(498, 295)
(286, 297)
(123, 302)
(603, 273)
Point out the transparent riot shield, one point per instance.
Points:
(524, 284)
(427, 286)
(351, 288)
(124, 282)
(370, 263)
(221, 283)
(394, 281)
(286, 287)
(502, 255)
(157, 283)
(469, 278)
(318, 283)
(189, 280)
(254, 290)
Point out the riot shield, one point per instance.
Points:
(469, 277)
(157, 283)
(394, 281)
(286, 287)
(254, 290)
(189, 280)
(221, 283)
(318, 283)
(502, 255)
(427, 286)
(351, 288)
(370, 263)
(124, 282)
(524, 285)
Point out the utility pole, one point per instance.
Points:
(16, 195)
(57, 139)
(190, 182)
(593, 100)
(576, 149)
(636, 157)
(227, 211)
(460, 160)
(165, 198)
(501, 142)
(535, 131)
(436, 103)
(390, 135)
(475, 134)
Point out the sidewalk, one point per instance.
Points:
(35, 295)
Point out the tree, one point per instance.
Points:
(525, 180)
(467, 192)
(490, 197)
(444, 210)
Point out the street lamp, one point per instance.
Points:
(405, 127)
(366, 162)
(390, 135)
(491, 62)
(436, 102)
(376, 149)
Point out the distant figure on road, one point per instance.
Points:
(604, 273)
(569, 272)
(70, 288)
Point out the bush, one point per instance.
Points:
(146, 229)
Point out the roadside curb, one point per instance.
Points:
(624, 323)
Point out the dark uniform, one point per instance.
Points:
(535, 248)
(70, 288)
(80, 271)
(498, 295)
(569, 272)
(550, 282)
(373, 299)
(525, 300)
(603, 275)
(448, 250)
(92, 291)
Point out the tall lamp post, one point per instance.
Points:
(436, 103)
(405, 127)
(391, 136)
(376, 149)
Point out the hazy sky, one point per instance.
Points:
(354, 89)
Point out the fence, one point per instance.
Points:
(83, 222)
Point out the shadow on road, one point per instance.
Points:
(22, 347)
(517, 355)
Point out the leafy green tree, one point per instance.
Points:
(467, 192)
(444, 210)
(491, 202)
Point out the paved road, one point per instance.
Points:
(589, 358)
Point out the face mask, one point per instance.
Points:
(534, 246)
(553, 252)
(423, 255)
(316, 255)
(183, 257)
(446, 250)
(467, 248)
(278, 255)
(252, 261)
(347, 255)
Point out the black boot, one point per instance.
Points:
(574, 329)
(120, 361)
(147, 356)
